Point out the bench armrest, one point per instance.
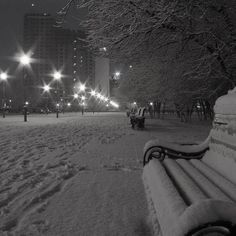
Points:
(220, 228)
(160, 149)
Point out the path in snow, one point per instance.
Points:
(78, 175)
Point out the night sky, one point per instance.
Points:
(11, 22)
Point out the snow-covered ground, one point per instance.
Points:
(78, 175)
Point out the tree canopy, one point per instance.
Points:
(181, 48)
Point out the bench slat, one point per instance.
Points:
(225, 185)
(162, 190)
(224, 165)
(210, 189)
(186, 186)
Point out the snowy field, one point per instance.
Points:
(78, 175)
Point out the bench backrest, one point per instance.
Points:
(222, 147)
(142, 111)
(139, 111)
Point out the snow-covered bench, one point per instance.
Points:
(191, 190)
(138, 119)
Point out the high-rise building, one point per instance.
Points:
(57, 49)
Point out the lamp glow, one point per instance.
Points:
(114, 104)
(117, 73)
(25, 60)
(75, 96)
(57, 75)
(46, 88)
(82, 87)
(3, 76)
(93, 93)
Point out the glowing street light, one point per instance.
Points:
(3, 77)
(114, 104)
(46, 88)
(82, 87)
(83, 98)
(117, 73)
(76, 96)
(93, 93)
(24, 60)
(151, 103)
(102, 98)
(57, 76)
(99, 95)
(68, 104)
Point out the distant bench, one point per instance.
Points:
(138, 119)
(191, 189)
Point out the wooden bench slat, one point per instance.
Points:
(185, 185)
(161, 187)
(224, 184)
(224, 165)
(205, 184)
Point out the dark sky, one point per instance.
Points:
(11, 22)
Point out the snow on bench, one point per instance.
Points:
(138, 119)
(191, 190)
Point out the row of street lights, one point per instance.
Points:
(25, 60)
(82, 89)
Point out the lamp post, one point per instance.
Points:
(57, 77)
(25, 61)
(83, 104)
(46, 89)
(3, 77)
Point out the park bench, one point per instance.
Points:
(191, 189)
(138, 119)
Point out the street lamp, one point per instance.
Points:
(117, 73)
(82, 87)
(93, 93)
(3, 77)
(57, 77)
(75, 96)
(25, 61)
(83, 104)
(46, 89)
